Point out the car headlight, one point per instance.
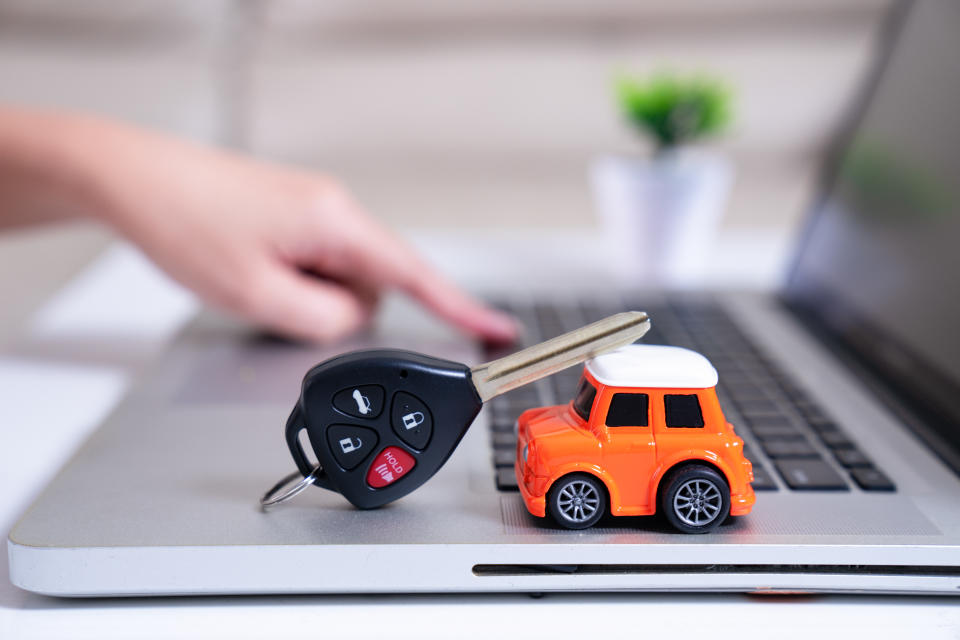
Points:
(526, 451)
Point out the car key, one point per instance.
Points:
(382, 422)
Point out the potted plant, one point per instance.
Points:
(661, 212)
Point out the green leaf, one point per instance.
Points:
(675, 110)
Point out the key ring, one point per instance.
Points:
(278, 492)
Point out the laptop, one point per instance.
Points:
(845, 387)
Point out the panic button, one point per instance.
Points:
(389, 466)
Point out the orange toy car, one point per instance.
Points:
(644, 432)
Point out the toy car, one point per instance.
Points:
(644, 433)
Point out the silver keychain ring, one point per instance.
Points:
(281, 493)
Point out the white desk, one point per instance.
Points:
(77, 359)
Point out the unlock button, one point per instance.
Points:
(350, 444)
(411, 420)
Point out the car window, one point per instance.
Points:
(682, 411)
(583, 401)
(628, 410)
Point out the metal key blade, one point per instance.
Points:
(544, 359)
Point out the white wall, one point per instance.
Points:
(453, 114)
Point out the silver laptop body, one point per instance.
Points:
(162, 499)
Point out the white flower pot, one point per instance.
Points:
(661, 216)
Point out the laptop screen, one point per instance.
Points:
(879, 267)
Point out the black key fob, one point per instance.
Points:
(381, 422)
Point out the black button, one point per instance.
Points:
(504, 440)
(503, 424)
(507, 480)
(411, 420)
(350, 444)
(836, 440)
(872, 480)
(789, 449)
(810, 475)
(770, 421)
(758, 407)
(504, 457)
(769, 434)
(762, 480)
(823, 426)
(364, 401)
(811, 413)
(852, 458)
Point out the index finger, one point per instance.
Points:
(388, 260)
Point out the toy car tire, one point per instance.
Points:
(696, 499)
(577, 501)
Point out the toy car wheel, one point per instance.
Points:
(577, 501)
(696, 499)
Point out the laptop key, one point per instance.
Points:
(506, 479)
(836, 440)
(811, 412)
(762, 480)
(770, 434)
(504, 457)
(757, 406)
(871, 479)
(505, 411)
(823, 426)
(789, 449)
(503, 439)
(503, 425)
(810, 475)
(851, 458)
(770, 421)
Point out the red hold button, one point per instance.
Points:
(390, 465)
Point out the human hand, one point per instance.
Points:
(284, 247)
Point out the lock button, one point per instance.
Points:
(350, 444)
(411, 420)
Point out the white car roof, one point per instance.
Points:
(648, 365)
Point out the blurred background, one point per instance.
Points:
(458, 116)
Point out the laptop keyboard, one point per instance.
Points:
(792, 442)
